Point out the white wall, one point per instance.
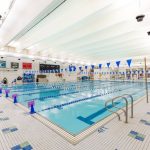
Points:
(10, 74)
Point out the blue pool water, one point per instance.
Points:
(75, 106)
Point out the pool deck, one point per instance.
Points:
(113, 136)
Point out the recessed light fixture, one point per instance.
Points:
(148, 32)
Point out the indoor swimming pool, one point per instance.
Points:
(75, 106)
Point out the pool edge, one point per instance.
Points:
(66, 135)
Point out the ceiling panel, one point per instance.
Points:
(85, 30)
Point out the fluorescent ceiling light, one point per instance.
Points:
(2, 49)
(30, 56)
(4, 6)
(61, 60)
(2, 53)
(14, 44)
(69, 61)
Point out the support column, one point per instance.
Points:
(146, 85)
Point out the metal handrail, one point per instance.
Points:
(131, 97)
(112, 110)
(125, 111)
(124, 97)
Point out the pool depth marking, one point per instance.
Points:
(23, 146)
(136, 135)
(9, 130)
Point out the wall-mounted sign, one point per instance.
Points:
(46, 67)
(27, 77)
(2, 64)
(26, 65)
(14, 65)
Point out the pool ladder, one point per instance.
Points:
(125, 110)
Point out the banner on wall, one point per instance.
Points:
(14, 65)
(74, 68)
(52, 68)
(26, 65)
(28, 77)
(70, 68)
(2, 64)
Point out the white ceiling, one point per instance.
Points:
(4, 6)
(80, 30)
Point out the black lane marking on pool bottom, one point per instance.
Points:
(76, 101)
(92, 116)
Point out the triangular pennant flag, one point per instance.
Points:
(129, 62)
(100, 66)
(70, 68)
(74, 68)
(117, 63)
(86, 67)
(92, 66)
(108, 64)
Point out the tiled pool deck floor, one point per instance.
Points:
(21, 131)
